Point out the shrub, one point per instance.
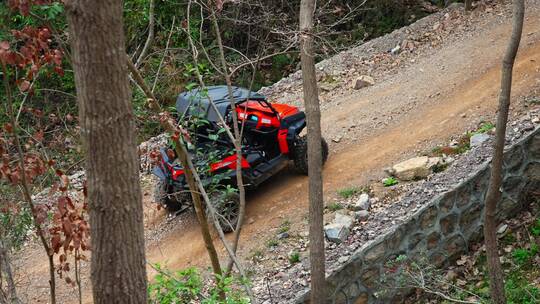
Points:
(334, 207)
(389, 181)
(349, 192)
(285, 226)
(186, 286)
(272, 243)
(294, 257)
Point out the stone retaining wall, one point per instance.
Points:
(442, 230)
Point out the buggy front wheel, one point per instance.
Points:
(227, 207)
(300, 154)
(172, 202)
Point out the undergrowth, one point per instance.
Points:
(187, 286)
(462, 144)
(468, 279)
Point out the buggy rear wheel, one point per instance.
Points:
(172, 202)
(300, 154)
(227, 206)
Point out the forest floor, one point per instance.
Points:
(443, 84)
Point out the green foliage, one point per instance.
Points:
(520, 291)
(257, 255)
(439, 168)
(285, 226)
(51, 11)
(463, 145)
(384, 16)
(535, 228)
(349, 192)
(187, 286)
(281, 60)
(272, 243)
(335, 206)
(390, 181)
(484, 128)
(534, 100)
(15, 226)
(294, 257)
(522, 255)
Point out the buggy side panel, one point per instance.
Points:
(290, 127)
(229, 163)
(282, 141)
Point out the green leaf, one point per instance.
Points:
(190, 86)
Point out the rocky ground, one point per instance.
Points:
(284, 278)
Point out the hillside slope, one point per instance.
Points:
(444, 82)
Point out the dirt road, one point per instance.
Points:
(463, 81)
(444, 92)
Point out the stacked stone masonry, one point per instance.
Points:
(441, 231)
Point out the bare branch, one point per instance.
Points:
(26, 188)
(163, 58)
(151, 29)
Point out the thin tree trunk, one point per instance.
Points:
(183, 156)
(108, 131)
(201, 216)
(493, 194)
(26, 188)
(77, 263)
(313, 113)
(151, 33)
(5, 267)
(468, 5)
(237, 140)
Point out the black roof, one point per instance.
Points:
(197, 102)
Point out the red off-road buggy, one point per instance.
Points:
(271, 140)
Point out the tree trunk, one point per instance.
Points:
(5, 268)
(183, 156)
(201, 216)
(313, 113)
(468, 5)
(493, 194)
(108, 131)
(26, 189)
(237, 141)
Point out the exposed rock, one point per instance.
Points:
(362, 82)
(362, 203)
(283, 235)
(328, 87)
(396, 49)
(389, 171)
(434, 161)
(328, 218)
(343, 259)
(344, 220)
(336, 233)
(362, 215)
(502, 229)
(448, 160)
(478, 139)
(415, 168)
